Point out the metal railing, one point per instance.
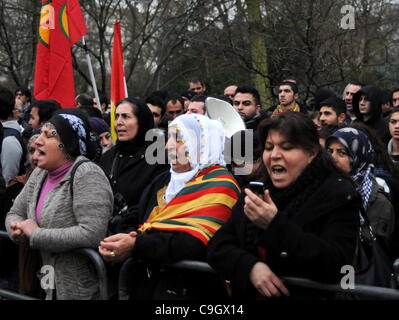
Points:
(94, 258)
(371, 292)
(98, 262)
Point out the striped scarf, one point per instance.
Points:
(200, 208)
(280, 110)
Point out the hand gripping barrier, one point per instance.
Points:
(361, 290)
(94, 258)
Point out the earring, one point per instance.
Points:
(61, 146)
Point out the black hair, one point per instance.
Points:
(91, 111)
(293, 85)
(395, 90)
(25, 91)
(196, 80)
(250, 90)
(84, 99)
(386, 96)
(7, 103)
(46, 108)
(395, 110)
(338, 105)
(175, 99)
(327, 131)
(157, 101)
(300, 131)
(199, 98)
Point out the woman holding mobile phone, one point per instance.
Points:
(305, 226)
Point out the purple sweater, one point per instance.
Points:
(52, 180)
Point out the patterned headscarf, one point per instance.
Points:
(73, 133)
(361, 156)
(204, 141)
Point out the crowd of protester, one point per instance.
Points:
(328, 169)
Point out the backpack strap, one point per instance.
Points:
(73, 171)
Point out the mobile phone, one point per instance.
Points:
(257, 187)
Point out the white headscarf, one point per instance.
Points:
(204, 141)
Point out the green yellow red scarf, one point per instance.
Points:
(280, 110)
(200, 208)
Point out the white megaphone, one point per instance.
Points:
(225, 113)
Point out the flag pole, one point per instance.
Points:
(93, 80)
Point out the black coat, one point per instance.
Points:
(132, 172)
(150, 278)
(315, 244)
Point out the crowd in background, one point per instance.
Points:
(328, 169)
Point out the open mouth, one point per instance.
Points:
(278, 170)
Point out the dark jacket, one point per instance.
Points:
(125, 163)
(315, 244)
(376, 122)
(132, 173)
(150, 278)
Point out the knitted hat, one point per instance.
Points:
(98, 125)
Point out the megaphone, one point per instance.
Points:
(225, 113)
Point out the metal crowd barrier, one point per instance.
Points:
(91, 254)
(371, 292)
(98, 262)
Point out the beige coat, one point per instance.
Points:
(68, 224)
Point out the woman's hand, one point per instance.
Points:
(27, 227)
(118, 247)
(16, 233)
(266, 282)
(260, 212)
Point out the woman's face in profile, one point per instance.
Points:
(126, 123)
(177, 152)
(284, 161)
(48, 153)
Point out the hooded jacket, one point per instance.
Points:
(376, 121)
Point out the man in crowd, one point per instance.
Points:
(349, 91)
(247, 103)
(386, 103)
(230, 91)
(367, 109)
(157, 108)
(174, 107)
(395, 98)
(42, 111)
(393, 145)
(84, 99)
(197, 105)
(13, 151)
(197, 86)
(332, 112)
(23, 99)
(288, 93)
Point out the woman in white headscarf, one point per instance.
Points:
(180, 211)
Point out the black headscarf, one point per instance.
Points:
(73, 128)
(145, 123)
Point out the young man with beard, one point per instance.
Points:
(332, 112)
(247, 103)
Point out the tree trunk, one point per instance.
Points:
(259, 52)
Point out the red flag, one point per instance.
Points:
(61, 26)
(118, 82)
